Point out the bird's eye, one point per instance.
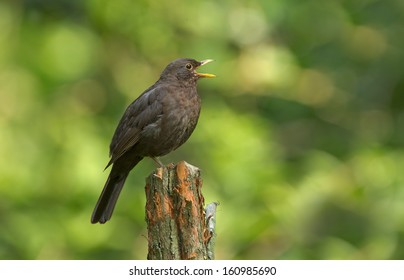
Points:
(188, 66)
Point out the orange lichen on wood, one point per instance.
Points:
(175, 214)
(168, 206)
(184, 190)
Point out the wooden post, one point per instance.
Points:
(175, 216)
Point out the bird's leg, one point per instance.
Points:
(157, 160)
(160, 170)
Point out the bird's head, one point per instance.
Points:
(184, 69)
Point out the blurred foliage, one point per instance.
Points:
(300, 138)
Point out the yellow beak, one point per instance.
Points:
(205, 75)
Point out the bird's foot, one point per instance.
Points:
(159, 173)
(160, 169)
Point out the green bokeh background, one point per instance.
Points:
(300, 137)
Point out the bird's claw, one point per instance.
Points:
(159, 173)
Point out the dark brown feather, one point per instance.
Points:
(156, 123)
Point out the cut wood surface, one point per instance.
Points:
(175, 214)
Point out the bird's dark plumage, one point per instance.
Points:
(160, 120)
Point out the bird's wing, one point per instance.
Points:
(145, 110)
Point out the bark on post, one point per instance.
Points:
(174, 214)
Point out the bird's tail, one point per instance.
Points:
(106, 202)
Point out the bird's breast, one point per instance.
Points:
(176, 123)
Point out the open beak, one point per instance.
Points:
(205, 75)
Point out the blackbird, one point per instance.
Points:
(159, 121)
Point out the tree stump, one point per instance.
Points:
(175, 214)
